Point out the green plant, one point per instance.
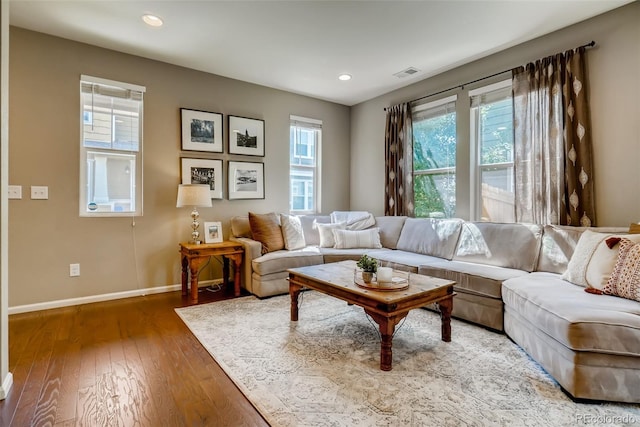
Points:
(368, 264)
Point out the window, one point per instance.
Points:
(434, 158)
(492, 141)
(110, 148)
(305, 136)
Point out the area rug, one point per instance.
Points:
(324, 369)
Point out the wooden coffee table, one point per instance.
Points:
(387, 308)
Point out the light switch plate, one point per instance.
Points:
(39, 192)
(15, 191)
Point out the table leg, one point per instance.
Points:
(446, 305)
(193, 266)
(237, 265)
(185, 275)
(294, 292)
(387, 326)
(225, 271)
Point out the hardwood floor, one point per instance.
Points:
(129, 362)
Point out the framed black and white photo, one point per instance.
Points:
(246, 136)
(201, 131)
(246, 180)
(213, 232)
(203, 171)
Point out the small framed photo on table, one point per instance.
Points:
(213, 232)
(246, 136)
(201, 131)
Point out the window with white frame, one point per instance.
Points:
(492, 187)
(110, 147)
(434, 158)
(305, 136)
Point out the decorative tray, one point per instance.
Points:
(396, 284)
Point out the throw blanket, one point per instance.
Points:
(355, 220)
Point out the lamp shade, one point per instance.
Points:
(194, 195)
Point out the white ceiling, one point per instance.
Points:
(302, 46)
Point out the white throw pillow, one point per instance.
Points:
(603, 261)
(326, 233)
(349, 239)
(292, 232)
(576, 272)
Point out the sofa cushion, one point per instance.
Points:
(401, 260)
(278, 261)
(479, 279)
(427, 236)
(559, 243)
(309, 228)
(292, 232)
(625, 278)
(265, 228)
(240, 227)
(502, 245)
(579, 320)
(337, 255)
(390, 229)
(326, 233)
(349, 239)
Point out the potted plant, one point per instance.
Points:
(369, 266)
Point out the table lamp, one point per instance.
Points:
(195, 195)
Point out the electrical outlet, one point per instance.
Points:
(74, 270)
(39, 192)
(15, 191)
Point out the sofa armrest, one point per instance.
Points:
(252, 250)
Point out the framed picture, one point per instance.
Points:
(246, 136)
(246, 180)
(201, 131)
(212, 232)
(203, 171)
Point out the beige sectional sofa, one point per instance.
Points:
(508, 278)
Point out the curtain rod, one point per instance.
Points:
(590, 44)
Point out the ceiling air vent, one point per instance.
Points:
(407, 72)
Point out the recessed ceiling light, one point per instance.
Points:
(153, 20)
(344, 77)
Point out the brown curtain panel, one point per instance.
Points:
(553, 149)
(398, 149)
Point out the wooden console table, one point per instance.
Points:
(193, 255)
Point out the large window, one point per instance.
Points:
(492, 139)
(305, 136)
(434, 158)
(110, 148)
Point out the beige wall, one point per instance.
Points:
(614, 68)
(46, 236)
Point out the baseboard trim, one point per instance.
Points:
(94, 298)
(6, 386)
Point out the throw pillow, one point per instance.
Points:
(292, 232)
(603, 261)
(625, 278)
(350, 239)
(266, 230)
(576, 271)
(326, 233)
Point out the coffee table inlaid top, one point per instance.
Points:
(340, 276)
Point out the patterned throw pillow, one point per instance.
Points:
(351, 239)
(266, 230)
(625, 278)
